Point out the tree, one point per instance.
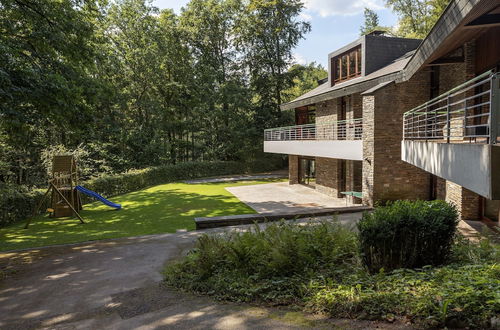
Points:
(268, 31)
(371, 21)
(303, 79)
(417, 17)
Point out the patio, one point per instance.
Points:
(284, 198)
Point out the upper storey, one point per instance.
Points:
(368, 54)
(370, 61)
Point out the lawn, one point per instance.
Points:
(159, 209)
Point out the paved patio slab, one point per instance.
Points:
(282, 197)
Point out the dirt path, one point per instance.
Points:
(116, 284)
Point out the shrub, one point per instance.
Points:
(407, 234)
(266, 265)
(459, 297)
(17, 203)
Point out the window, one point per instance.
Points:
(347, 65)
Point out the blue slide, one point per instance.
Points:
(99, 197)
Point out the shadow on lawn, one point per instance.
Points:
(159, 209)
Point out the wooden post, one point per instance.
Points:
(67, 202)
(37, 208)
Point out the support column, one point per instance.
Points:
(293, 169)
(385, 175)
(466, 201)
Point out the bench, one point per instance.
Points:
(357, 194)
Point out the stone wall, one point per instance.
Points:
(293, 169)
(385, 175)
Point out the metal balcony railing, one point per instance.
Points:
(336, 130)
(466, 113)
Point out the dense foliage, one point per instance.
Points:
(133, 86)
(18, 202)
(416, 17)
(407, 234)
(319, 267)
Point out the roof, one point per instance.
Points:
(449, 32)
(360, 84)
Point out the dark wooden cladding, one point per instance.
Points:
(347, 65)
(487, 50)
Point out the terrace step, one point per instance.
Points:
(246, 219)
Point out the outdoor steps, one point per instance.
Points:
(245, 219)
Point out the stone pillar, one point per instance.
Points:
(466, 201)
(385, 175)
(293, 169)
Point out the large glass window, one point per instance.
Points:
(347, 65)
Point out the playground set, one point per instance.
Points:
(65, 192)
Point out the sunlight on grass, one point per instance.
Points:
(159, 209)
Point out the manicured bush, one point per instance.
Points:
(407, 234)
(18, 202)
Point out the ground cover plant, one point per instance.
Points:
(159, 209)
(320, 268)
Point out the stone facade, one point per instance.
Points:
(385, 175)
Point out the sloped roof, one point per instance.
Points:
(360, 84)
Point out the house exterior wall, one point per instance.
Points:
(467, 202)
(328, 176)
(385, 175)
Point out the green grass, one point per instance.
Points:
(159, 209)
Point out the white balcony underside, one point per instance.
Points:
(472, 166)
(341, 149)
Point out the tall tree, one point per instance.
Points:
(417, 17)
(371, 21)
(303, 79)
(267, 33)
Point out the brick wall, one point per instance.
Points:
(328, 176)
(293, 169)
(467, 202)
(385, 175)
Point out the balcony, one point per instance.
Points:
(337, 139)
(455, 135)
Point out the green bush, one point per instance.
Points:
(18, 202)
(266, 265)
(407, 234)
(318, 268)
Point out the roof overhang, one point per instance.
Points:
(347, 90)
(462, 21)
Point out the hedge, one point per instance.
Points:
(17, 202)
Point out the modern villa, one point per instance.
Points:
(406, 119)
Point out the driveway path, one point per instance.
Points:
(115, 284)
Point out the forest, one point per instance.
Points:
(124, 85)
